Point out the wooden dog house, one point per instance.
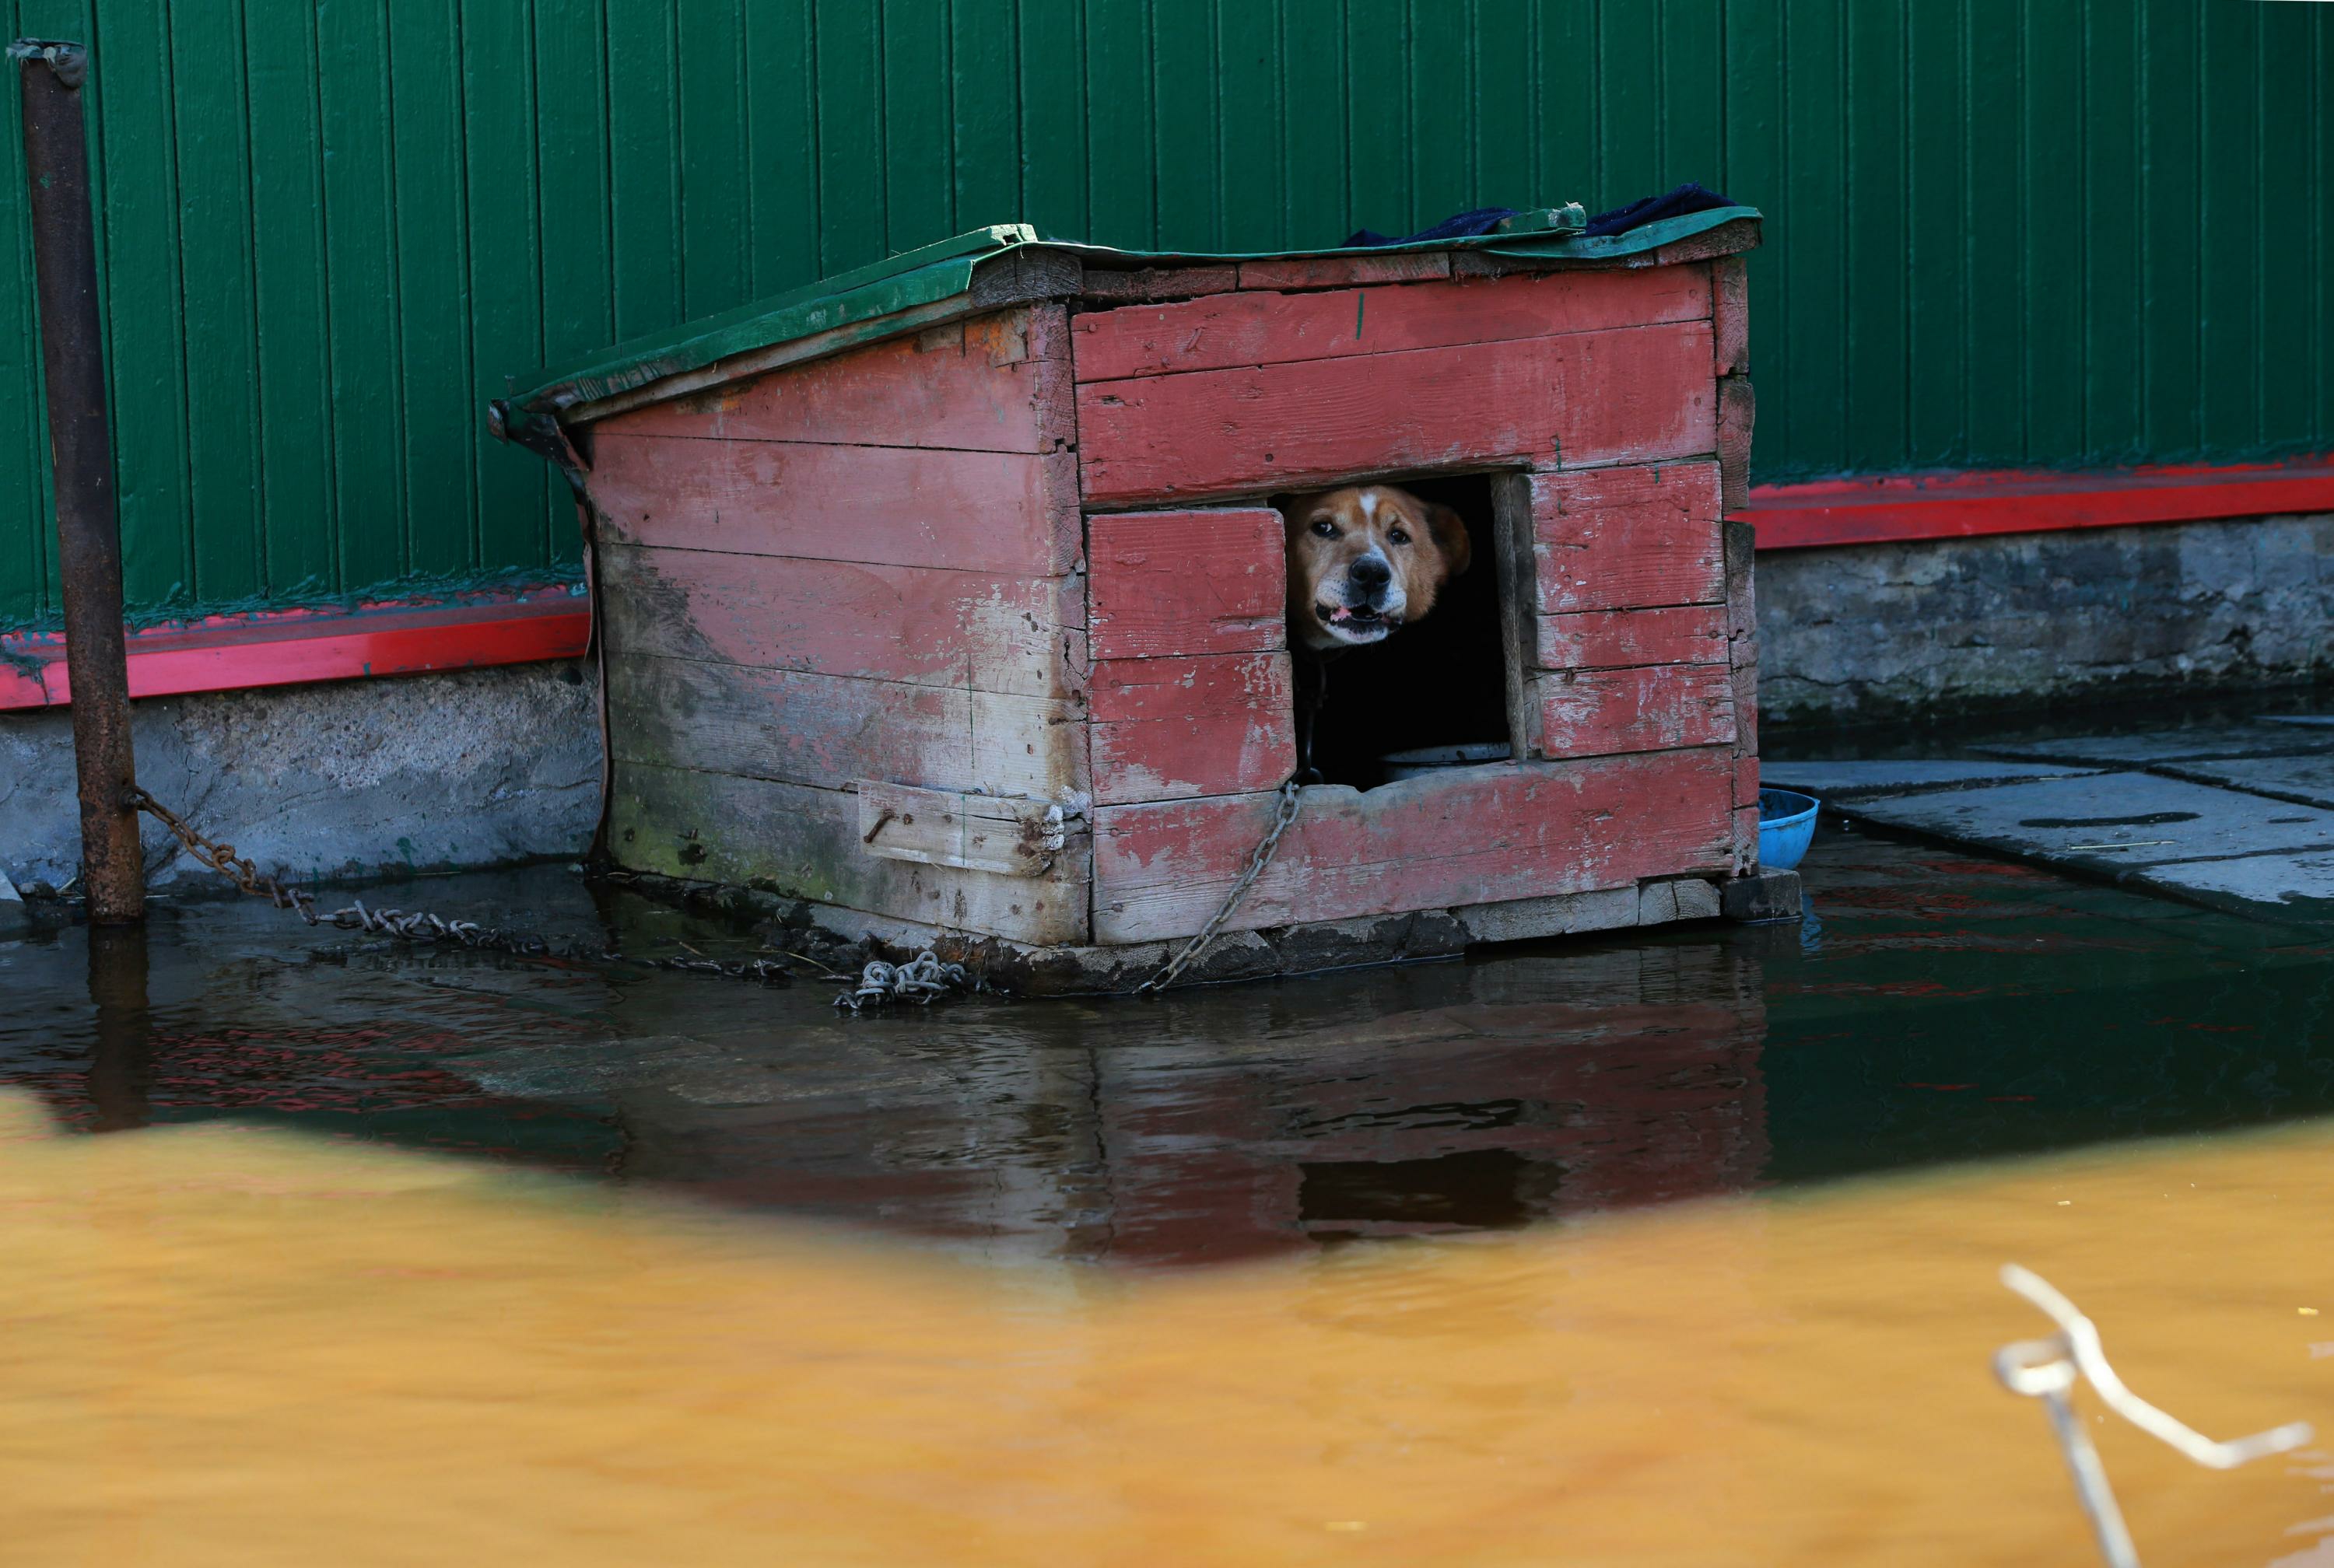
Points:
(944, 600)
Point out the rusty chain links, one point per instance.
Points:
(1282, 817)
(419, 925)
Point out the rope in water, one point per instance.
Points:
(2048, 1369)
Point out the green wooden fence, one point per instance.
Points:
(2001, 232)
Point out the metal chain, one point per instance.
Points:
(1282, 817)
(922, 978)
(419, 925)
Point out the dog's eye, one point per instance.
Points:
(1324, 527)
(1399, 535)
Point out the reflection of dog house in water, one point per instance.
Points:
(945, 600)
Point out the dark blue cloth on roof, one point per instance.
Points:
(1687, 197)
(1463, 225)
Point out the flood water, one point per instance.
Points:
(1677, 1249)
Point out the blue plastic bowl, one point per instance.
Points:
(1787, 821)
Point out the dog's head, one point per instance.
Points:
(1366, 561)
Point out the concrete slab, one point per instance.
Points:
(2305, 780)
(1831, 781)
(2203, 743)
(2188, 840)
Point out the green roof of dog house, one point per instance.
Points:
(876, 297)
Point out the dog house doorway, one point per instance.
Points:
(1440, 682)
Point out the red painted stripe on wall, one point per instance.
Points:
(289, 647)
(1901, 507)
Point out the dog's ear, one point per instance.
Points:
(1449, 532)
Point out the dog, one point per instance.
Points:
(1363, 561)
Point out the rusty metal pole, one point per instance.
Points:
(80, 453)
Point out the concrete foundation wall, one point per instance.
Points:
(1879, 630)
(345, 780)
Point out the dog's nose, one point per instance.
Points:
(1370, 572)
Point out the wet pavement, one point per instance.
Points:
(2233, 813)
(1937, 1008)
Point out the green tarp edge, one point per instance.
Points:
(943, 270)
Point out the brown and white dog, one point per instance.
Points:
(1364, 562)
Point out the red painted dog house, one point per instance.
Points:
(945, 600)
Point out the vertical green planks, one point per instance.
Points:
(145, 347)
(1505, 145)
(2051, 389)
(1441, 137)
(1993, 417)
(1876, 428)
(1052, 59)
(1629, 121)
(504, 270)
(643, 113)
(1379, 192)
(782, 152)
(1122, 195)
(2228, 215)
(432, 236)
(1190, 187)
(294, 336)
(206, 132)
(1815, 190)
(2171, 201)
(984, 128)
(365, 403)
(1312, 98)
(2001, 233)
(1936, 274)
(919, 185)
(1251, 168)
(2285, 243)
(714, 181)
(2114, 238)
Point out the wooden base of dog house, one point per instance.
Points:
(1311, 949)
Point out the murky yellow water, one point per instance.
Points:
(224, 1346)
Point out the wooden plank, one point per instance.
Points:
(717, 170)
(917, 624)
(805, 843)
(1174, 728)
(1480, 835)
(1345, 272)
(995, 383)
(1743, 841)
(1739, 542)
(799, 726)
(1654, 708)
(1616, 638)
(1746, 779)
(1746, 711)
(1729, 316)
(1737, 412)
(1008, 512)
(1112, 286)
(1234, 330)
(1187, 583)
(1628, 538)
(1008, 836)
(1630, 395)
